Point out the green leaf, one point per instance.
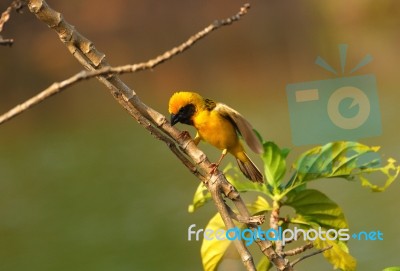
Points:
(393, 268)
(213, 251)
(345, 160)
(338, 255)
(201, 196)
(260, 205)
(274, 163)
(315, 208)
(264, 264)
(390, 170)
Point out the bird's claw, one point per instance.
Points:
(184, 135)
(213, 167)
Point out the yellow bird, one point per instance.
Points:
(219, 125)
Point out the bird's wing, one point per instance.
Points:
(242, 125)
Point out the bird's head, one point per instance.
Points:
(183, 106)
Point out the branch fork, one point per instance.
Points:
(180, 143)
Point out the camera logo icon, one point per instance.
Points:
(343, 108)
(358, 97)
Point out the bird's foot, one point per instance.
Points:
(184, 135)
(214, 167)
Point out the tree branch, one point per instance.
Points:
(182, 146)
(258, 219)
(298, 250)
(310, 255)
(5, 16)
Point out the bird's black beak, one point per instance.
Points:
(174, 119)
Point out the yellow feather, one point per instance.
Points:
(182, 98)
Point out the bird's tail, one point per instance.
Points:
(250, 170)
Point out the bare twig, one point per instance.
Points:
(150, 64)
(5, 16)
(309, 255)
(214, 188)
(274, 224)
(298, 250)
(6, 42)
(257, 219)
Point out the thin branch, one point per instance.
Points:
(265, 246)
(257, 219)
(48, 92)
(309, 255)
(298, 250)
(5, 16)
(274, 224)
(214, 188)
(150, 64)
(6, 42)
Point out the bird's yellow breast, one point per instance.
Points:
(217, 130)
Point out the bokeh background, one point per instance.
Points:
(84, 187)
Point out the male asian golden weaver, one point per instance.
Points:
(219, 125)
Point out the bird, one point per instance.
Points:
(219, 125)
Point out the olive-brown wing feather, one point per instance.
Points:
(242, 125)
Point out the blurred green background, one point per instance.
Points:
(84, 187)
